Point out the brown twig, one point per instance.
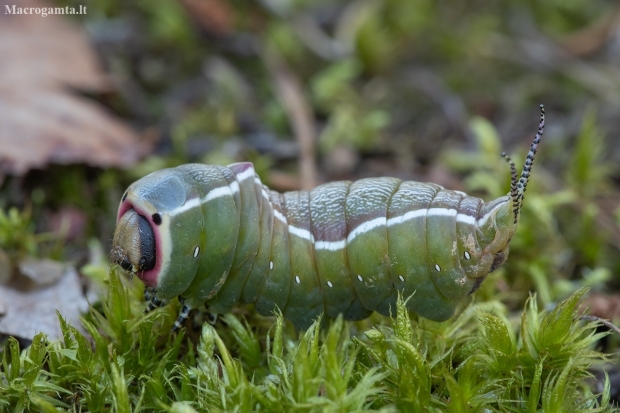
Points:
(606, 323)
(291, 96)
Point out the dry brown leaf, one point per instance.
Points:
(45, 50)
(41, 272)
(40, 120)
(40, 125)
(26, 313)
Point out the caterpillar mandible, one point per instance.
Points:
(217, 235)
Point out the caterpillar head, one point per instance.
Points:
(134, 243)
(143, 242)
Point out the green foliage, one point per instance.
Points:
(588, 173)
(484, 166)
(478, 361)
(19, 240)
(485, 365)
(17, 237)
(351, 121)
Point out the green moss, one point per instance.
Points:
(477, 361)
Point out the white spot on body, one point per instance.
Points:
(329, 284)
(467, 256)
(400, 277)
(359, 277)
(297, 279)
(437, 267)
(271, 265)
(196, 251)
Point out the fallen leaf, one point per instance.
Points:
(41, 121)
(26, 313)
(40, 125)
(42, 272)
(46, 50)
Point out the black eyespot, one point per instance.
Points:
(124, 197)
(156, 218)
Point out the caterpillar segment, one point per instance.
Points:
(216, 235)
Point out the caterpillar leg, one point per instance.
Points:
(212, 318)
(183, 315)
(151, 297)
(149, 292)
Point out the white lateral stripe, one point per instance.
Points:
(466, 219)
(279, 216)
(340, 244)
(484, 219)
(330, 246)
(365, 227)
(192, 203)
(248, 173)
(301, 233)
(218, 192)
(441, 212)
(377, 222)
(234, 187)
(444, 212)
(406, 217)
(213, 194)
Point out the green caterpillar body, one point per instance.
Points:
(217, 235)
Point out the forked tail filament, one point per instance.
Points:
(518, 188)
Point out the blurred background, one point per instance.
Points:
(312, 91)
